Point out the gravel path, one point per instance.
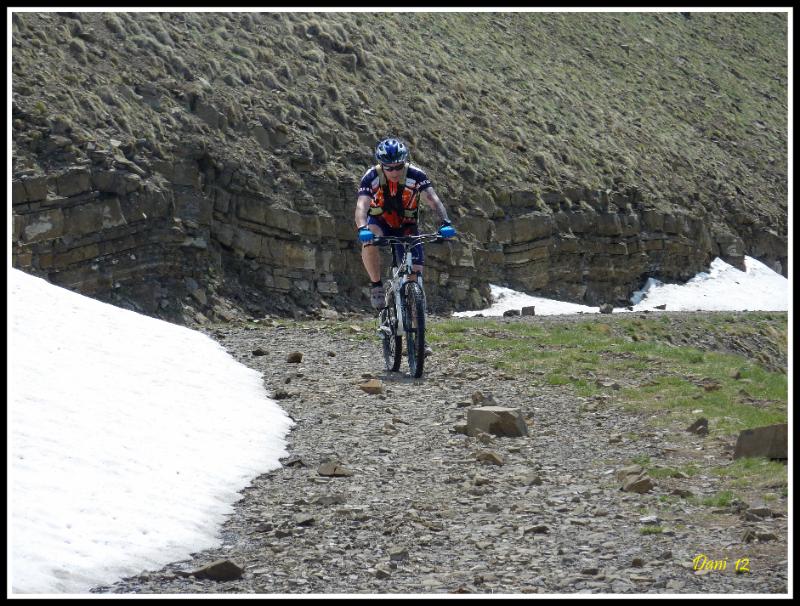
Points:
(423, 509)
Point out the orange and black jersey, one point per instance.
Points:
(395, 203)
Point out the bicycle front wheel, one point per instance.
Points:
(392, 342)
(414, 300)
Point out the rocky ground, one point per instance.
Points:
(415, 507)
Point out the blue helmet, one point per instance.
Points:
(391, 151)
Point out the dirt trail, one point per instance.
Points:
(420, 512)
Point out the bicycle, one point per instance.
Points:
(404, 312)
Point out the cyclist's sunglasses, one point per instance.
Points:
(392, 167)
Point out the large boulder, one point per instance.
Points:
(770, 441)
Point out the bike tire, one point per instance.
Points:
(415, 328)
(392, 343)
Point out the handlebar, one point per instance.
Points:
(410, 240)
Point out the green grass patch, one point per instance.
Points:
(558, 379)
(754, 471)
(653, 373)
(721, 499)
(665, 472)
(651, 530)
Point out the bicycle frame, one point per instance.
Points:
(403, 315)
(404, 268)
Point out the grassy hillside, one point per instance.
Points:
(668, 104)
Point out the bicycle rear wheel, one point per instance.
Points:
(392, 342)
(415, 328)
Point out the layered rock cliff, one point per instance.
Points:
(198, 165)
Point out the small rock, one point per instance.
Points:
(329, 499)
(749, 536)
(639, 485)
(711, 385)
(496, 420)
(294, 358)
(530, 479)
(259, 352)
(397, 554)
(294, 461)
(490, 457)
(760, 512)
(484, 438)
(373, 386)
(334, 469)
(699, 427)
(303, 519)
(536, 529)
(481, 399)
(630, 470)
(220, 570)
(460, 428)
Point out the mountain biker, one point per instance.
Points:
(387, 206)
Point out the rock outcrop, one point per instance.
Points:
(197, 166)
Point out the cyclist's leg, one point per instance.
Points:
(370, 255)
(397, 249)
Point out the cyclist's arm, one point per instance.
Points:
(362, 207)
(429, 195)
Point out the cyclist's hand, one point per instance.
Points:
(365, 235)
(446, 230)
